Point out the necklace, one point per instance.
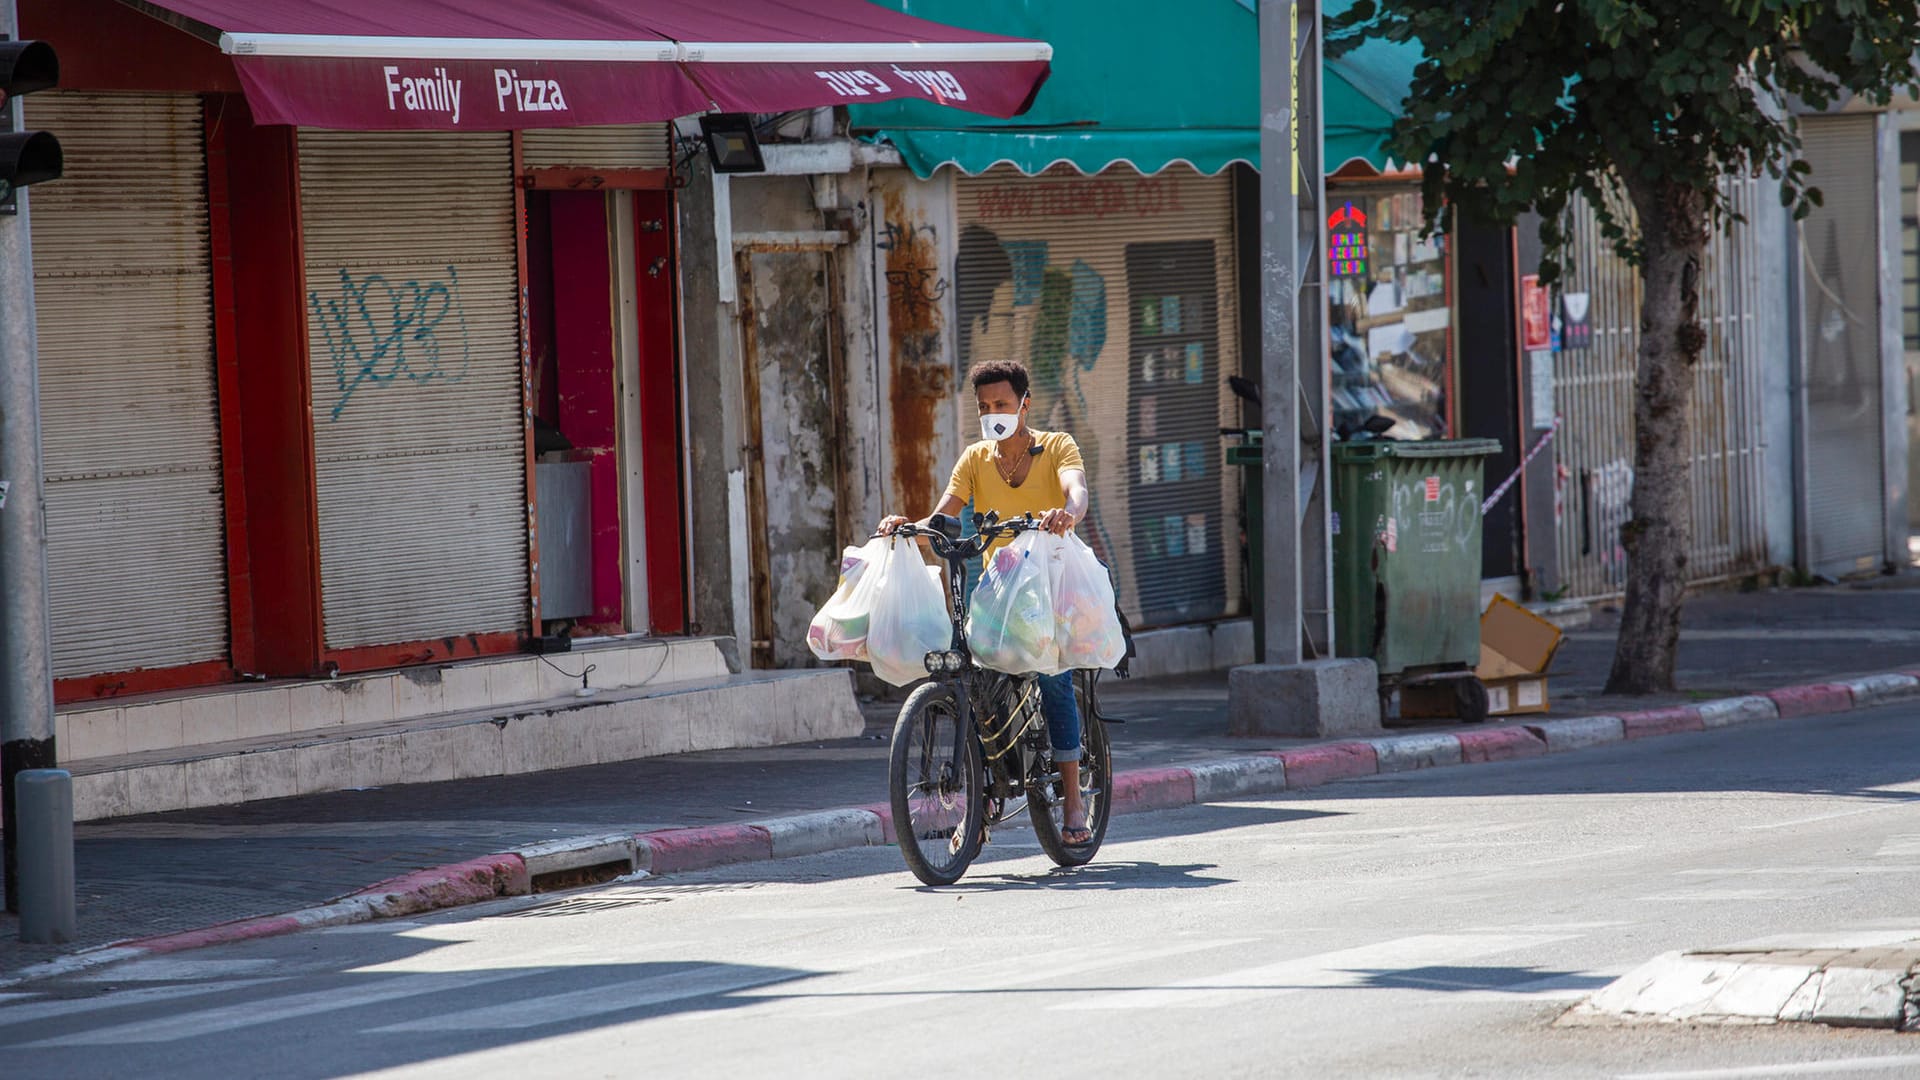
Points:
(1009, 474)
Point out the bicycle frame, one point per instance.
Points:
(954, 550)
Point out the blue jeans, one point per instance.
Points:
(1062, 711)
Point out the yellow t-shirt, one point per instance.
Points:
(977, 479)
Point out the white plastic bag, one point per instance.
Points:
(1010, 623)
(1087, 624)
(909, 616)
(839, 631)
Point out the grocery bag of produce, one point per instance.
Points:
(1010, 623)
(1088, 627)
(839, 631)
(909, 616)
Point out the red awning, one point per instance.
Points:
(492, 64)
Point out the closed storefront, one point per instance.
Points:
(609, 146)
(128, 392)
(1117, 291)
(413, 325)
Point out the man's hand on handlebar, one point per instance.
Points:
(1056, 521)
(891, 524)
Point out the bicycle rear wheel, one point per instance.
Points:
(936, 785)
(1096, 784)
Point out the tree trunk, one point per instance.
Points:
(1673, 230)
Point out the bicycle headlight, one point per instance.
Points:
(935, 662)
(955, 661)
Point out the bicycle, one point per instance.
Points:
(971, 749)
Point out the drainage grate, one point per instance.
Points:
(583, 905)
(625, 898)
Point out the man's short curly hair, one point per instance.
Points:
(1007, 371)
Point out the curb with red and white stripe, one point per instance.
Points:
(668, 851)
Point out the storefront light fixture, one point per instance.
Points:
(731, 144)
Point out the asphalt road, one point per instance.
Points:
(1423, 924)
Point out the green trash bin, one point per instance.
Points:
(1406, 560)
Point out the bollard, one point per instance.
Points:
(43, 799)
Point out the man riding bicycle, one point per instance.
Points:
(1014, 471)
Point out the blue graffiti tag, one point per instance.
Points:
(377, 332)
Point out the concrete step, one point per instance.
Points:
(762, 708)
(213, 715)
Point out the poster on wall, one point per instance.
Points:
(1576, 321)
(1536, 316)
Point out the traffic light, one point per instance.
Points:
(26, 157)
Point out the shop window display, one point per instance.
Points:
(1388, 315)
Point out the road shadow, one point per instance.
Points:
(1451, 978)
(1097, 876)
(371, 1019)
(1867, 754)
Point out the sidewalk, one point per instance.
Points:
(186, 870)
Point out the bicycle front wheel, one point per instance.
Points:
(937, 787)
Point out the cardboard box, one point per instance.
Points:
(1516, 648)
(1517, 696)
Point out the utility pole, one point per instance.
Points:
(1297, 687)
(1294, 390)
(26, 662)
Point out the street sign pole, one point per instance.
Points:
(26, 665)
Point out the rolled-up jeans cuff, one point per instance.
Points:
(1062, 756)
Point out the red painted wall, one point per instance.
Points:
(275, 414)
(660, 412)
(585, 364)
(106, 45)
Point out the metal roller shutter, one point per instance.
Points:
(611, 146)
(1839, 258)
(1117, 291)
(136, 555)
(419, 436)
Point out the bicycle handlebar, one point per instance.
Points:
(986, 528)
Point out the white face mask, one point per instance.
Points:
(997, 426)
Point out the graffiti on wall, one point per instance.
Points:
(379, 332)
(1010, 283)
(1436, 516)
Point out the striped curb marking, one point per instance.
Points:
(1655, 722)
(674, 850)
(1585, 732)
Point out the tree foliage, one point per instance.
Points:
(1522, 104)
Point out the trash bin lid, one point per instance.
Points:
(1374, 449)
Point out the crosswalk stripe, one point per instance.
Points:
(47, 1009)
(251, 1014)
(1344, 967)
(175, 969)
(1013, 969)
(599, 1000)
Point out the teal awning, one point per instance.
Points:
(1140, 82)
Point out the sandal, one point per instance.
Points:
(1076, 836)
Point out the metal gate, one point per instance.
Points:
(136, 527)
(419, 430)
(600, 146)
(1594, 395)
(1844, 526)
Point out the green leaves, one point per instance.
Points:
(1532, 101)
